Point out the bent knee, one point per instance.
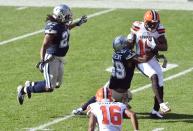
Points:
(154, 77)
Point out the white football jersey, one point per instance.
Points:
(142, 35)
(109, 115)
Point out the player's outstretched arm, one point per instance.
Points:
(130, 114)
(82, 20)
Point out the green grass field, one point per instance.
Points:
(89, 55)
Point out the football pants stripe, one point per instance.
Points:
(48, 83)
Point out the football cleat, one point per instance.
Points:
(27, 84)
(20, 94)
(78, 111)
(155, 115)
(164, 107)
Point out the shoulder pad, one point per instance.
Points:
(135, 26)
(51, 28)
(161, 29)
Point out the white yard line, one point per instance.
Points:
(40, 31)
(21, 37)
(166, 79)
(158, 129)
(21, 8)
(41, 127)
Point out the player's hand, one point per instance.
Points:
(151, 43)
(40, 66)
(164, 107)
(82, 20)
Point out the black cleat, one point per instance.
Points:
(20, 94)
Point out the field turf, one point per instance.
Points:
(89, 55)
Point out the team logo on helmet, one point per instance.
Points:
(151, 20)
(120, 42)
(63, 14)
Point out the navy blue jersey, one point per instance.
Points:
(123, 69)
(59, 46)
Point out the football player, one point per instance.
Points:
(54, 47)
(107, 113)
(124, 61)
(149, 37)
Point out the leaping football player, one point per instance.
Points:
(54, 47)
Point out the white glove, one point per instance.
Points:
(164, 107)
(151, 43)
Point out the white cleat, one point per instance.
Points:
(164, 107)
(156, 115)
(78, 111)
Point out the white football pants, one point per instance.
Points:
(150, 68)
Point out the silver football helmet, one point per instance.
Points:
(62, 13)
(120, 42)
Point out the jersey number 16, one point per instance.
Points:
(115, 115)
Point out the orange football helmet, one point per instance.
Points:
(151, 20)
(104, 94)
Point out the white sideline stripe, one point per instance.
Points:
(21, 37)
(40, 31)
(166, 79)
(22, 8)
(100, 13)
(41, 127)
(158, 129)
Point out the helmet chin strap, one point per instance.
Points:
(150, 29)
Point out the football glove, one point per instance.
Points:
(165, 61)
(40, 66)
(164, 107)
(82, 20)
